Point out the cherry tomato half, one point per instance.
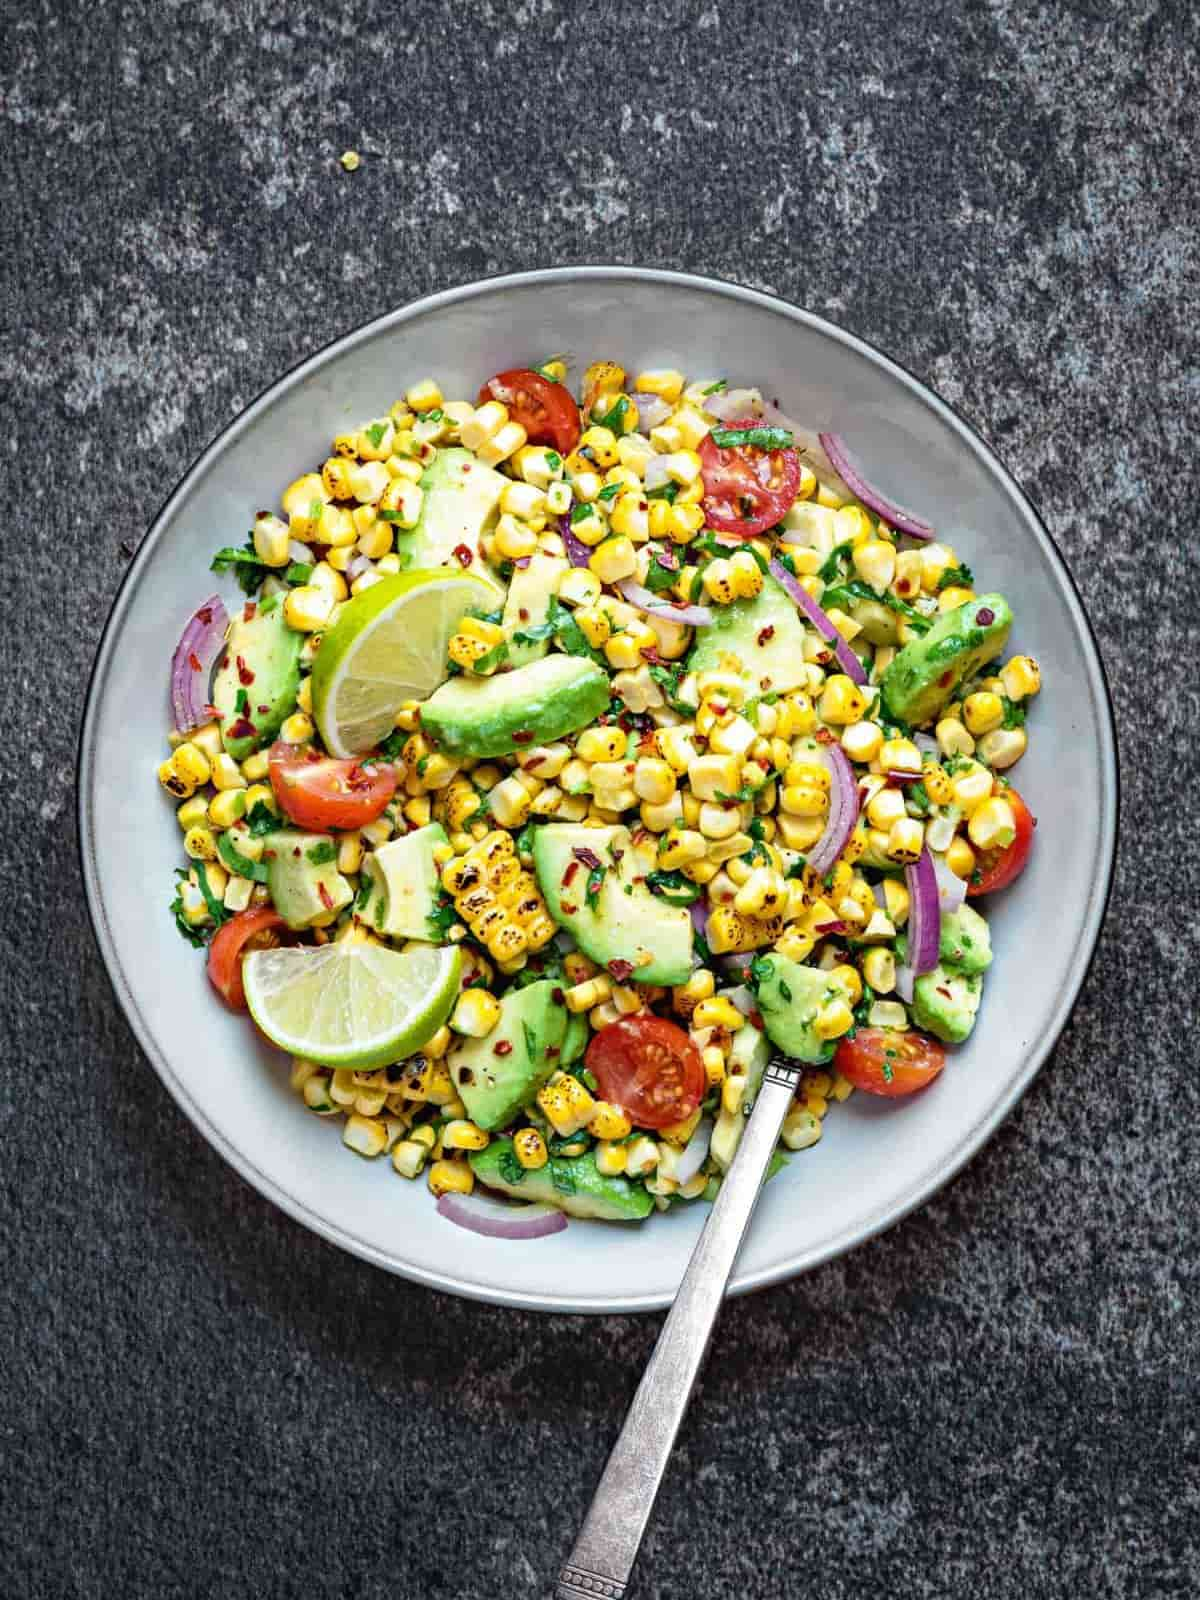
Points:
(648, 1067)
(321, 792)
(746, 489)
(249, 930)
(543, 408)
(998, 868)
(883, 1061)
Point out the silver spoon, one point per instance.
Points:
(602, 1559)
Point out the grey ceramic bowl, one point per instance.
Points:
(877, 1159)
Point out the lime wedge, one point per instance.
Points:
(351, 1005)
(387, 646)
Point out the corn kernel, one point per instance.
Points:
(450, 1177)
(842, 701)
(609, 1122)
(1003, 747)
(611, 1159)
(613, 560)
(307, 608)
(833, 1019)
(801, 1129)
(992, 826)
(1021, 677)
(530, 1149)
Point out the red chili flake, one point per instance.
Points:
(650, 654)
(640, 835)
(553, 1050)
(823, 736)
(523, 613)
(244, 673)
(946, 678)
(194, 662)
(522, 736)
(504, 1048)
(568, 910)
(569, 874)
(620, 970)
(248, 611)
(589, 857)
(462, 554)
(668, 559)
(243, 728)
(719, 707)
(264, 711)
(756, 1019)
(205, 615)
(326, 897)
(764, 684)
(766, 633)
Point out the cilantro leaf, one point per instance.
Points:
(758, 438)
(215, 909)
(715, 388)
(247, 565)
(323, 853)
(261, 820)
(193, 935)
(960, 577)
(610, 491)
(614, 418)
(562, 1175)
(673, 887)
(509, 1168)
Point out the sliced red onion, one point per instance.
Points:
(843, 811)
(522, 561)
(655, 606)
(358, 566)
(730, 404)
(835, 448)
(695, 1153)
(578, 553)
(927, 745)
(737, 962)
(191, 666)
(699, 912)
(300, 553)
(905, 978)
(497, 1221)
(742, 998)
(952, 890)
(925, 914)
(847, 660)
(657, 473)
(652, 409)
(902, 775)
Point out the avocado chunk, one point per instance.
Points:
(511, 711)
(461, 497)
(575, 1040)
(255, 685)
(571, 1183)
(748, 1056)
(789, 996)
(761, 639)
(946, 1002)
(966, 941)
(404, 882)
(530, 591)
(494, 1083)
(306, 887)
(625, 922)
(925, 675)
(229, 850)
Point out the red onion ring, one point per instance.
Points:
(902, 775)
(695, 1153)
(497, 1221)
(952, 890)
(646, 600)
(835, 448)
(199, 646)
(652, 409)
(699, 914)
(847, 660)
(925, 914)
(844, 800)
(578, 553)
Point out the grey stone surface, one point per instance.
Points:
(998, 1397)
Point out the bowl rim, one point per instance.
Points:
(970, 1142)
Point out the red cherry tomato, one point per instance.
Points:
(883, 1061)
(746, 489)
(320, 792)
(249, 930)
(543, 408)
(648, 1067)
(996, 869)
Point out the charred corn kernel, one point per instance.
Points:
(833, 1019)
(462, 1134)
(701, 871)
(476, 1013)
(899, 755)
(801, 1129)
(510, 803)
(174, 782)
(842, 701)
(803, 716)
(796, 943)
(271, 539)
(591, 992)
(524, 501)
(653, 780)
(402, 500)
(687, 996)
(733, 1092)
(960, 858)
(601, 443)
(716, 1012)
(713, 1059)
(579, 587)
(558, 499)
(307, 608)
(729, 932)
(613, 560)
(530, 1149)
(296, 729)
(736, 736)
(905, 839)
(450, 1177)
(595, 625)
(226, 808)
(1021, 677)
(982, 712)
(993, 825)
(609, 1121)
(261, 794)
(676, 746)
(329, 581)
(255, 767)
(950, 599)
(387, 566)
(465, 651)
(200, 843)
(804, 800)
(937, 783)
(192, 813)
(875, 562)
(879, 969)
(423, 396)
(191, 764)
(1003, 747)
(745, 575)
(885, 807)
(935, 559)
(566, 1105)
(488, 633)
(538, 466)
(679, 847)
(665, 382)
(907, 581)
(585, 486)
(718, 582)
(764, 894)
(298, 496)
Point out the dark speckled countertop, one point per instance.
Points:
(999, 1396)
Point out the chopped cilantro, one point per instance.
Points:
(529, 1034)
(534, 633)
(509, 1168)
(668, 680)
(595, 882)
(960, 577)
(193, 935)
(267, 604)
(495, 657)
(524, 840)
(659, 577)
(241, 702)
(553, 459)
(247, 566)
(757, 438)
(673, 887)
(376, 432)
(785, 991)
(665, 491)
(610, 491)
(260, 820)
(1014, 715)
(570, 635)
(215, 909)
(544, 372)
(561, 1175)
(442, 918)
(715, 388)
(845, 593)
(298, 572)
(614, 418)
(321, 854)
(831, 567)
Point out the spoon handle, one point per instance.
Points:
(600, 1563)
